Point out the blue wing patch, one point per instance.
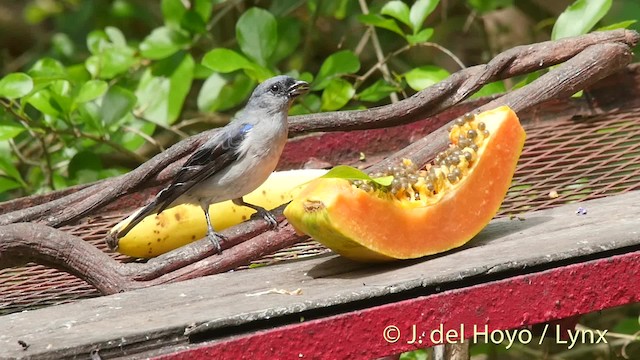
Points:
(245, 128)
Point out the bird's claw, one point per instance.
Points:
(215, 239)
(269, 218)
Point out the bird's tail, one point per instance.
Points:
(133, 220)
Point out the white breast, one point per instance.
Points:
(260, 153)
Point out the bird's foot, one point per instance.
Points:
(215, 239)
(269, 218)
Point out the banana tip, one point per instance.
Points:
(112, 240)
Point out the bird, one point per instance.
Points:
(235, 160)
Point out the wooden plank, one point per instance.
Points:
(143, 317)
(464, 313)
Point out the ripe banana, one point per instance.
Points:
(182, 224)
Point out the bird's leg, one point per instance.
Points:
(266, 215)
(212, 235)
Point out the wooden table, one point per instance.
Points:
(545, 265)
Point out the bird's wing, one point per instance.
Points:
(206, 161)
(212, 156)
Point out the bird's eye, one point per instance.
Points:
(274, 88)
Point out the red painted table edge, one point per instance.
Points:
(512, 303)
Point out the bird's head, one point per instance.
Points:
(277, 93)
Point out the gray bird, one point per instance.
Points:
(236, 160)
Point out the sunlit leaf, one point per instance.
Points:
(337, 94)
(164, 87)
(15, 85)
(350, 173)
(489, 89)
(163, 42)
(339, 63)
(257, 34)
(422, 36)
(425, 76)
(381, 22)
(221, 93)
(91, 90)
(618, 25)
(398, 10)
(579, 18)
(377, 91)
(226, 61)
(172, 12)
(419, 12)
(10, 131)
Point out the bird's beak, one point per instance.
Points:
(298, 88)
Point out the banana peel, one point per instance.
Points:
(182, 224)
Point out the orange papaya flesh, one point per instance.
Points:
(365, 223)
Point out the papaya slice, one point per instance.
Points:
(424, 211)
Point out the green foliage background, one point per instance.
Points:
(92, 88)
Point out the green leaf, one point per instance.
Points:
(346, 172)
(164, 87)
(210, 91)
(10, 131)
(422, 36)
(203, 8)
(398, 10)
(257, 34)
(493, 88)
(117, 102)
(131, 140)
(226, 61)
(111, 62)
(115, 36)
(192, 22)
(47, 69)
(96, 41)
(288, 39)
(62, 45)
(350, 173)
(618, 25)
(61, 98)
(7, 167)
(172, 12)
(381, 22)
(89, 115)
(122, 9)
(484, 6)
(308, 104)
(425, 76)
(15, 85)
(378, 91)
(579, 18)
(339, 63)
(163, 42)
(528, 79)
(82, 161)
(91, 90)
(337, 94)
(43, 101)
(220, 93)
(419, 12)
(7, 184)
